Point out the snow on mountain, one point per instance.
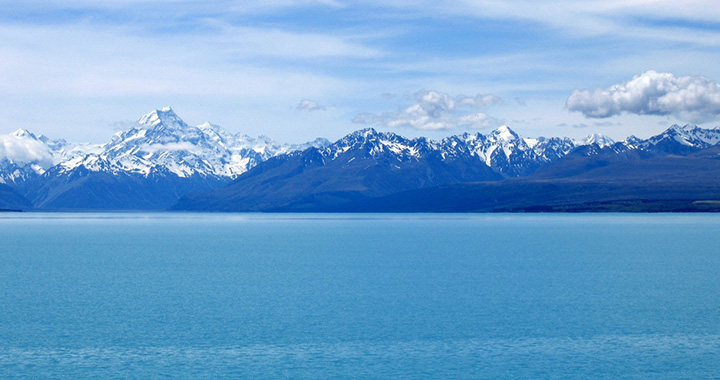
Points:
(162, 141)
(503, 150)
(374, 144)
(507, 153)
(596, 139)
(632, 142)
(552, 148)
(688, 135)
(24, 156)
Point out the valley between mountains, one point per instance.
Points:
(162, 163)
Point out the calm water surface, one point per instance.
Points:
(202, 296)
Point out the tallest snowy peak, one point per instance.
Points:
(165, 116)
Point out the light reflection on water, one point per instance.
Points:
(602, 356)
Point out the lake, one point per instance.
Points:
(401, 296)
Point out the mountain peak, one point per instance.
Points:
(366, 132)
(632, 140)
(689, 127)
(598, 139)
(165, 116)
(208, 127)
(686, 130)
(23, 133)
(689, 135)
(677, 129)
(504, 133)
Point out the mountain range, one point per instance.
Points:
(163, 163)
(147, 167)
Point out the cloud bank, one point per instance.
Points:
(651, 93)
(434, 111)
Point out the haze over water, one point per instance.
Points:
(206, 296)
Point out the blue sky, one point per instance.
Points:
(298, 69)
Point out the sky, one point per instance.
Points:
(295, 70)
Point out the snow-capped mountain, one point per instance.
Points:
(161, 158)
(503, 150)
(549, 149)
(596, 139)
(507, 153)
(369, 143)
(365, 163)
(162, 141)
(674, 140)
(677, 139)
(25, 156)
(148, 166)
(369, 170)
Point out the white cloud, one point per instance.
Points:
(435, 110)
(227, 61)
(24, 151)
(309, 105)
(651, 93)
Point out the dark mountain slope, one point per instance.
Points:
(371, 171)
(363, 165)
(83, 189)
(12, 200)
(647, 180)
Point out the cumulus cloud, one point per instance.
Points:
(435, 110)
(309, 105)
(651, 93)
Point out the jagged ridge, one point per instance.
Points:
(177, 158)
(368, 164)
(148, 166)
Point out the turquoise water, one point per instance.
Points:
(206, 296)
